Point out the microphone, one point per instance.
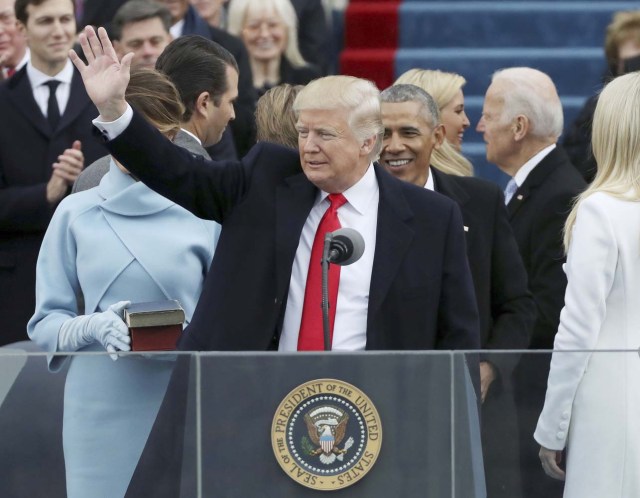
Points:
(346, 246)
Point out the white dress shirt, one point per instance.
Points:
(527, 167)
(176, 29)
(41, 91)
(350, 328)
(430, 184)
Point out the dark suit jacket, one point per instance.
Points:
(314, 36)
(93, 173)
(100, 12)
(577, 140)
(28, 148)
(507, 315)
(506, 308)
(537, 213)
(421, 294)
(244, 126)
(293, 75)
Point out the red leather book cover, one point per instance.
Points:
(158, 338)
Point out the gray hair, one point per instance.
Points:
(398, 94)
(531, 93)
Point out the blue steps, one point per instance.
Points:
(575, 71)
(491, 24)
(561, 38)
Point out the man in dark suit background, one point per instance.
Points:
(13, 47)
(205, 75)
(45, 137)
(521, 122)
(412, 288)
(412, 130)
(314, 37)
(142, 27)
(186, 21)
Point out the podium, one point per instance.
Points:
(214, 435)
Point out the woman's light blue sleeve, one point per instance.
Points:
(57, 284)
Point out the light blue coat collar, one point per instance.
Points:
(125, 196)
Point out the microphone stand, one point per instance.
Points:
(326, 326)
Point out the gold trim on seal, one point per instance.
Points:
(326, 434)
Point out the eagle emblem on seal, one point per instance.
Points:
(327, 426)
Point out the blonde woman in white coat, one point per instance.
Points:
(592, 404)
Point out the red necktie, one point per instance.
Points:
(11, 71)
(311, 336)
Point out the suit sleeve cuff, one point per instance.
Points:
(112, 129)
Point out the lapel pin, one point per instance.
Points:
(519, 197)
(466, 228)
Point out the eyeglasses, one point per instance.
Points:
(256, 27)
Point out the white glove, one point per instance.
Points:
(107, 328)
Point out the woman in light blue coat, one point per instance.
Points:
(116, 243)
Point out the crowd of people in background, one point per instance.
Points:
(178, 112)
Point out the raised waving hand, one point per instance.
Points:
(105, 77)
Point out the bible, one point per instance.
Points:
(154, 326)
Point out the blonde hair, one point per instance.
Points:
(237, 14)
(359, 97)
(442, 87)
(275, 119)
(616, 145)
(624, 26)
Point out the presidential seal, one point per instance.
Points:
(326, 434)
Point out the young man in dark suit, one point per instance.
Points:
(186, 21)
(412, 288)
(206, 76)
(521, 122)
(412, 130)
(45, 138)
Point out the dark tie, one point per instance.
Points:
(311, 336)
(53, 111)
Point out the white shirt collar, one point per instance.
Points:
(360, 195)
(38, 78)
(430, 185)
(191, 135)
(176, 29)
(25, 58)
(527, 167)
